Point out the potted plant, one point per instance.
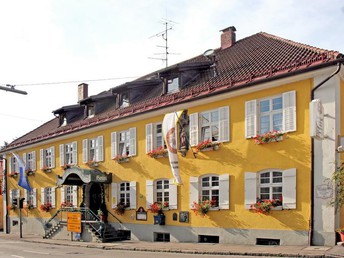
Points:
(265, 206)
(46, 169)
(92, 163)
(67, 205)
(30, 206)
(157, 208)
(202, 207)
(120, 208)
(46, 207)
(159, 152)
(341, 233)
(30, 172)
(272, 136)
(14, 174)
(121, 158)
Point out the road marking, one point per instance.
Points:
(35, 252)
(17, 256)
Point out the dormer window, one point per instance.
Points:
(90, 111)
(63, 121)
(172, 85)
(124, 100)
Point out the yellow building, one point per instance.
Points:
(256, 145)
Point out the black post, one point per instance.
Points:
(7, 220)
(21, 205)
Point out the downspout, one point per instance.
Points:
(311, 220)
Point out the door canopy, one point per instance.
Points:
(78, 176)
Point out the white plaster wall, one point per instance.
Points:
(325, 161)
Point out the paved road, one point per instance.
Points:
(19, 249)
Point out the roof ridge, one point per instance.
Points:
(302, 45)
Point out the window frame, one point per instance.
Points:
(47, 157)
(115, 192)
(98, 149)
(151, 193)
(73, 152)
(270, 113)
(211, 189)
(48, 195)
(164, 191)
(115, 142)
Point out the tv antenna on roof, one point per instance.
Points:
(164, 35)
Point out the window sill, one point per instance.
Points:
(266, 141)
(277, 208)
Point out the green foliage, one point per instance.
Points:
(338, 178)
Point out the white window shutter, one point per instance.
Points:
(194, 137)
(149, 193)
(224, 191)
(24, 160)
(52, 157)
(224, 124)
(132, 141)
(34, 166)
(41, 158)
(63, 194)
(42, 195)
(251, 189)
(62, 157)
(11, 196)
(75, 153)
(11, 165)
(84, 150)
(53, 197)
(75, 196)
(289, 189)
(289, 111)
(250, 118)
(26, 196)
(113, 145)
(173, 203)
(34, 199)
(149, 138)
(114, 194)
(132, 185)
(100, 148)
(194, 191)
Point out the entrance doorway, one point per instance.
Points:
(95, 197)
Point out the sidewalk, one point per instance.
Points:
(196, 248)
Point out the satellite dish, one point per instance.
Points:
(209, 52)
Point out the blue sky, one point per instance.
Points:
(48, 41)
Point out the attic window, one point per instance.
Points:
(90, 111)
(172, 85)
(124, 99)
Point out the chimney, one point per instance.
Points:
(228, 37)
(82, 91)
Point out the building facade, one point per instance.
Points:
(255, 166)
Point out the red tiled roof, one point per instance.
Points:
(249, 61)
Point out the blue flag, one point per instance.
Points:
(22, 176)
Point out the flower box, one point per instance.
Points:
(265, 206)
(157, 153)
(272, 136)
(207, 145)
(121, 158)
(92, 164)
(46, 207)
(159, 219)
(47, 169)
(202, 207)
(30, 173)
(14, 175)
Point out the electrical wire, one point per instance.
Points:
(20, 117)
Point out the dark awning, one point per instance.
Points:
(78, 176)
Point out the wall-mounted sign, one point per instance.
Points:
(323, 191)
(141, 214)
(316, 112)
(184, 216)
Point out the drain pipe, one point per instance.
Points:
(311, 220)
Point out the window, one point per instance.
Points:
(210, 187)
(271, 184)
(68, 154)
(123, 143)
(14, 166)
(92, 149)
(14, 197)
(172, 85)
(124, 192)
(47, 158)
(90, 111)
(154, 137)
(30, 160)
(124, 100)
(210, 125)
(161, 190)
(48, 196)
(268, 114)
(30, 198)
(69, 195)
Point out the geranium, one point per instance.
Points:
(202, 207)
(46, 206)
(206, 144)
(267, 137)
(67, 204)
(340, 230)
(120, 208)
(160, 151)
(157, 207)
(120, 158)
(46, 169)
(92, 163)
(264, 206)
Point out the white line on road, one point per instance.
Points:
(17, 256)
(35, 252)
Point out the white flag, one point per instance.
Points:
(170, 135)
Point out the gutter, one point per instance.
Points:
(311, 220)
